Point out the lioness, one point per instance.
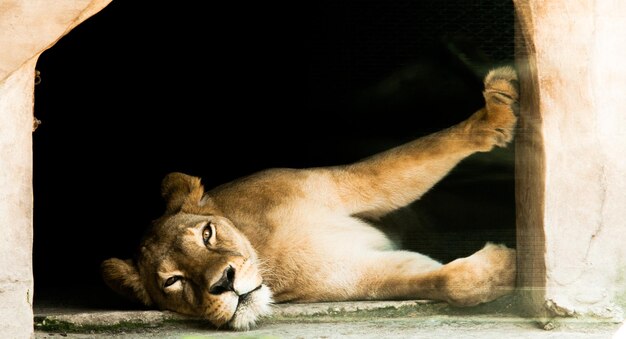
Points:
(303, 234)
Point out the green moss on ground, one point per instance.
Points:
(502, 308)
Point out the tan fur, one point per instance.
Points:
(300, 235)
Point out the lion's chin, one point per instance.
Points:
(256, 305)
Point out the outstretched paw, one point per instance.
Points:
(494, 125)
(501, 86)
(482, 277)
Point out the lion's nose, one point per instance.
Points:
(225, 283)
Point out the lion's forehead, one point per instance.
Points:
(158, 257)
(176, 253)
(168, 266)
(175, 232)
(174, 224)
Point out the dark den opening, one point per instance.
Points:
(221, 90)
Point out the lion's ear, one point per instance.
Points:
(122, 277)
(181, 190)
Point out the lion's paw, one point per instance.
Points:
(482, 277)
(494, 125)
(501, 86)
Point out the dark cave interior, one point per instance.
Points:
(223, 90)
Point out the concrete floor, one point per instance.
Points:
(372, 328)
(390, 319)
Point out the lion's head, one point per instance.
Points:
(193, 261)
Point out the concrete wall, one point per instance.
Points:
(27, 28)
(572, 159)
(16, 203)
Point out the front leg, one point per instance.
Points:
(395, 178)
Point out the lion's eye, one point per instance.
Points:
(172, 280)
(207, 233)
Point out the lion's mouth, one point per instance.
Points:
(250, 307)
(246, 297)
